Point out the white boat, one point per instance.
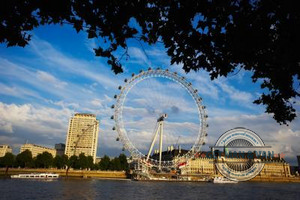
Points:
(223, 180)
(36, 176)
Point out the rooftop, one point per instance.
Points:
(85, 114)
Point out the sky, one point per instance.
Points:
(57, 75)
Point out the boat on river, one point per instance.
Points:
(223, 180)
(36, 176)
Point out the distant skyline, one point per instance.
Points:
(57, 75)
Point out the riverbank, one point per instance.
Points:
(71, 173)
(276, 179)
(120, 175)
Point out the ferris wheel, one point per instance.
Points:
(159, 117)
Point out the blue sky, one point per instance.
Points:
(57, 74)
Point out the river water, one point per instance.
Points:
(126, 189)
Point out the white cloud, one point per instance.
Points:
(96, 102)
(18, 91)
(43, 122)
(242, 97)
(138, 56)
(49, 79)
(6, 127)
(91, 44)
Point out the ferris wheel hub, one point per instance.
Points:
(162, 117)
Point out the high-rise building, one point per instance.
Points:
(60, 149)
(298, 159)
(37, 149)
(82, 136)
(5, 149)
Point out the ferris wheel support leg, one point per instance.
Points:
(160, 143)
(152, 144)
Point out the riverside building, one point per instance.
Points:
(37, 149)
(82, 136)
(60, 149)
(5, 149)
(274, 167)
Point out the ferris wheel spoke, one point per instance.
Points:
(144, 98)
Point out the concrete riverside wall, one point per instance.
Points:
(275, 179)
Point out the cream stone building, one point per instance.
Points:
(206, 166)
(5, 149)
(82, 136)
(276, 168)
(37, 149)
(203, 166)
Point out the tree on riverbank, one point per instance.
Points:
(117, 164)
(71, 163)
(7, 161)
(24, 159)
(104, 163)
(60, 161)
(44, 160)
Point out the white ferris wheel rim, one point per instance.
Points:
(129, 84)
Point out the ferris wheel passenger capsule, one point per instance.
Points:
(132, 74)
(117, 139)
(141, 71)
(149, 69)
(207, 125)
(125, 80)
(113, 128)
(206, 134)
(120, 87)
(203, 143)
(123, 149)
(115, 96)
(206, 116)
(112, 117)
(195, 91)
(112, 106)
(189, 84)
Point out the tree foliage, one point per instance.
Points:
(123, 162)
(24, 159)
(60, 161)
(7, 160)
(104, 163)
(72, 161)
(90, 162)
(219, 36)
(116, 164)
(82, 161)
(44, 160)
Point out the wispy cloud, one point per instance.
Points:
(49, 79)
(54, 58)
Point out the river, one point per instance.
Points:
(126, 189)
